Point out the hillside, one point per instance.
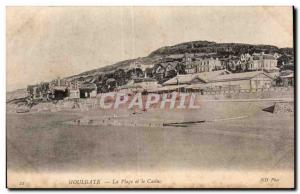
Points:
(200, 48)
(220, 49)
(197, 47)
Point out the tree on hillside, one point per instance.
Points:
(120, 77)
(180, 67)
(135, 73)
(111, 84)
(149, 72)
(159, 72)
(282, 60)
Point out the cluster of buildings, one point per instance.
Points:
(219, 80)
(186, 73)
(61, 88)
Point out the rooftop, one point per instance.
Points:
(188, 78)
(239, 76)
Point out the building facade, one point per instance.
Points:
(243, 81)
(262, 61)
(203, 65)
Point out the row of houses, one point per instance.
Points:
(61, 88)
(197, 63)
(221, 80)
(246, 62)
(172, 65)
(188, 72)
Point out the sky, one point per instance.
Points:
(43, 43)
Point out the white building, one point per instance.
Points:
(261, 61)
(203, 65)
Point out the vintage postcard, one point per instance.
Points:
(150, 97)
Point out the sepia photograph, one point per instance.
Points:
(150, 97)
